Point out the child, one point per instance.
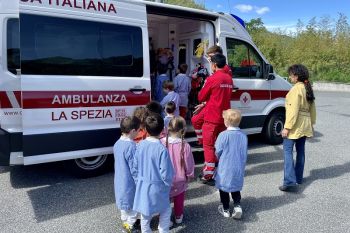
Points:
(183, 163)
(169, 110)
(231, 152)
(125, 172)
(141, 113)
(154, 107)
(182, 85)
(168, 88)
(162, 77)
(155, 175)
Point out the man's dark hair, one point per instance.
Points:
(219, 60)
(129, 123)
(170, 107)
(154, 107)
(154, 125)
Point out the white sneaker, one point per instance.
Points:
(237, 212)
(179, 220)
(225, 213)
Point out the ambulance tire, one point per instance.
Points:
(90, 166)
(273, 127)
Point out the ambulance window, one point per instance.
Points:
(59, 46)
(182, 54)
(13, 61)
(243, 60)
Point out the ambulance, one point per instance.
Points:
(72, 69)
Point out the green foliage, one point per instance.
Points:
(322, 46)
(186, 3)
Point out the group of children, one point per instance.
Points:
(154, 163)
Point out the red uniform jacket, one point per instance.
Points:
(216, 92)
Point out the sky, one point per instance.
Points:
(281, 14)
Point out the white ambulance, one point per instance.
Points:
(72, 69)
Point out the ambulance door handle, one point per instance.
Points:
(137, 90)
(235, 88)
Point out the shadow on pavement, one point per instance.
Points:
(4, 169)
(315, 138)
(70, 197)
(39, 175)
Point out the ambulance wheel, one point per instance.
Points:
(90, 166)
(272, 130)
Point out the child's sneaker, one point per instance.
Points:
(130, 228)
(237, 212)
(178, 220)
(225, 213)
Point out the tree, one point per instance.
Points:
(186, 3)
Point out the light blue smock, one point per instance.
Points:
(159, 93)
(182, 85)
(172, 96)
(231, 148)
(154, 180)
(125, 173)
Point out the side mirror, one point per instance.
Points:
(268, 72)
(271, 77)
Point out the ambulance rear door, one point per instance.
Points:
(84, 66)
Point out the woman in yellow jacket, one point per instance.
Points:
(300, 118)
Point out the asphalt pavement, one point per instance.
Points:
(45, 198)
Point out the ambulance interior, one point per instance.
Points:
(182, 37)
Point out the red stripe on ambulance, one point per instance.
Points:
(74, 99)
(4, 100)
(259, 94)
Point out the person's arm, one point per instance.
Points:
(219, 146)
(313, 113)
(166, 168)
(292, 111)
(133, 163)
(204, 94)
(189, 161)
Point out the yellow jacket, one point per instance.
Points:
(300, 114)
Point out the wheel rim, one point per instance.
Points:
(91, 163)
(278, 127)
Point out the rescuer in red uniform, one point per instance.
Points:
(216, 94)
(198, 118)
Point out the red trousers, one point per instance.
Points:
(183, 111)
(179, 201)
(197, 122)
(207, 134)
(211, 132)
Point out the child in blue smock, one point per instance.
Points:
(168, 88)
(154, 179)
(125, 172)
(161, 78)
(231, 151)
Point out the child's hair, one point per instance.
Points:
(303, 76)
(183, 68)
(129, 123)
(168, 85)
(215, 49)
(162, 69)
(154, 124)
(154, 107)
(170, 107)
(219, 60)
(232, 117)
(177, 126)
(141, 113)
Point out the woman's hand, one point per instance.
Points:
(285, 133)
